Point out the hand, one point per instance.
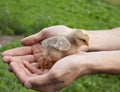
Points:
(46, 33)
(27, 72)
(36, 38)
(32, 52)
(63, 73)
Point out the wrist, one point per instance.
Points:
(94, 44)
(94, 63)
(103, 40)
(106, 62)
(85, 65)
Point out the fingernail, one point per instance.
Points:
(28, 85)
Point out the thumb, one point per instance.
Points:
(30, 40)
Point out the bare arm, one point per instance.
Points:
(102, 40)
(107, 62)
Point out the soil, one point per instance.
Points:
(7, 39)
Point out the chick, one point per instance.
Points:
(57, 47)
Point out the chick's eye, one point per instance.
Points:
(83, 40)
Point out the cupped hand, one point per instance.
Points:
(32, 52)
(46, 33)
(62, 74)
(22, 60)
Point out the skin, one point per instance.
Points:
(66, 70)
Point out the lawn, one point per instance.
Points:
(25, 17)
(113, 2)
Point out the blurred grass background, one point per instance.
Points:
(25, 17)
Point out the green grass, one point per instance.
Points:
(29, 16)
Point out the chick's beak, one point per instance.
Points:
(86, 43)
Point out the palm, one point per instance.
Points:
(24, 72)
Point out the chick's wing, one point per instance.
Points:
(59, 42)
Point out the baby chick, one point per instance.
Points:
(57, 47)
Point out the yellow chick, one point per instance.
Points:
(57, 47)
